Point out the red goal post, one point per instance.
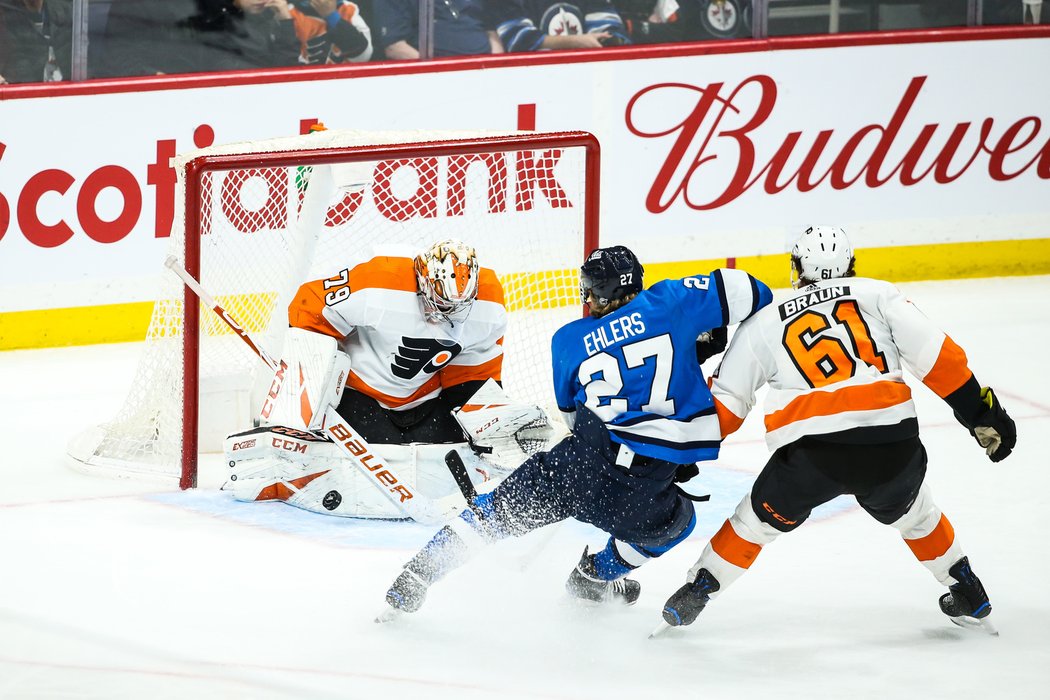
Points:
(260, 218)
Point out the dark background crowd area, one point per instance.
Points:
(158, 37)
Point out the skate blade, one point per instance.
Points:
(389, 615)
(659, 630)
(977, 625)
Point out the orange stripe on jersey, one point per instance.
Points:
(453, 375)
(306, 309)
(734, 548)
(728, 422)
(950, 371)
(489, 287)
(384, 272)
(934, 544)
(357, 384)
(864, 397)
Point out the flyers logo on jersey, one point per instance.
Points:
(428, 355)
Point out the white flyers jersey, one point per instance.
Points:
(396, 356)
(833, 354)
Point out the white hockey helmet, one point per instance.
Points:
(821, 253)
(447, 274)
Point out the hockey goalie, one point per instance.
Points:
(409, 351)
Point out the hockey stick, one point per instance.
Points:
(458, 469)
(410, 502)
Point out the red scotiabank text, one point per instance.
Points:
(515, 180)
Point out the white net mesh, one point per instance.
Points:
(266, 229)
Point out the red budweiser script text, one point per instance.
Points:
(722, 145)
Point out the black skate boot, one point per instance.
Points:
(966, 603)
(444, 552)
(687, 602)
(584, 583)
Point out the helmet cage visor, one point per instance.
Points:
(448, 280)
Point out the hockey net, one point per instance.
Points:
(257, 219)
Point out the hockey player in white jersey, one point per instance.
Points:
(840, 420)
(398, 344)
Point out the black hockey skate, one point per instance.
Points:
(584, 584)
(966, 603)
(687, 602)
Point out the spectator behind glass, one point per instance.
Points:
(331, 31)
(532, 25)
(663, 21)
(461, 28)
(156, 37)
(259, 34)
(35, 40)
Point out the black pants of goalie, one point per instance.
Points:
(430, 422)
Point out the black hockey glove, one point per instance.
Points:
(993, 428)
(685, 472)
(711, 343)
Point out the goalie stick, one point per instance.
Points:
(415, 505)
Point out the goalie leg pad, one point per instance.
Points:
(309, 471)
(303, 470)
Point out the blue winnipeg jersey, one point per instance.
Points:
(636, 367)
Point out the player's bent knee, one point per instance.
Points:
(921, 518)
(762, 520)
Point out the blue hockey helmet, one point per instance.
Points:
(610, 274)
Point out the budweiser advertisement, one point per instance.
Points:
(703, 156)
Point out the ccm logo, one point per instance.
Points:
(343, 434)
(297, 434)
(289, 445)
(275, 389)
(243, 445)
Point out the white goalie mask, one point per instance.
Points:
(447, 274)
(821, 253)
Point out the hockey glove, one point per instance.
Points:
(710, 343)
(993, 428)
(685, 472)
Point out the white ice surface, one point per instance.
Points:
(116, 589)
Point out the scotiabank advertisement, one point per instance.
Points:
(703, 156)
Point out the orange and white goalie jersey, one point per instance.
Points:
(396, 356)
(833, 354)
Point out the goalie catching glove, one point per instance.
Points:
(505, 433)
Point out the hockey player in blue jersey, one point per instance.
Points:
(628, 381)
